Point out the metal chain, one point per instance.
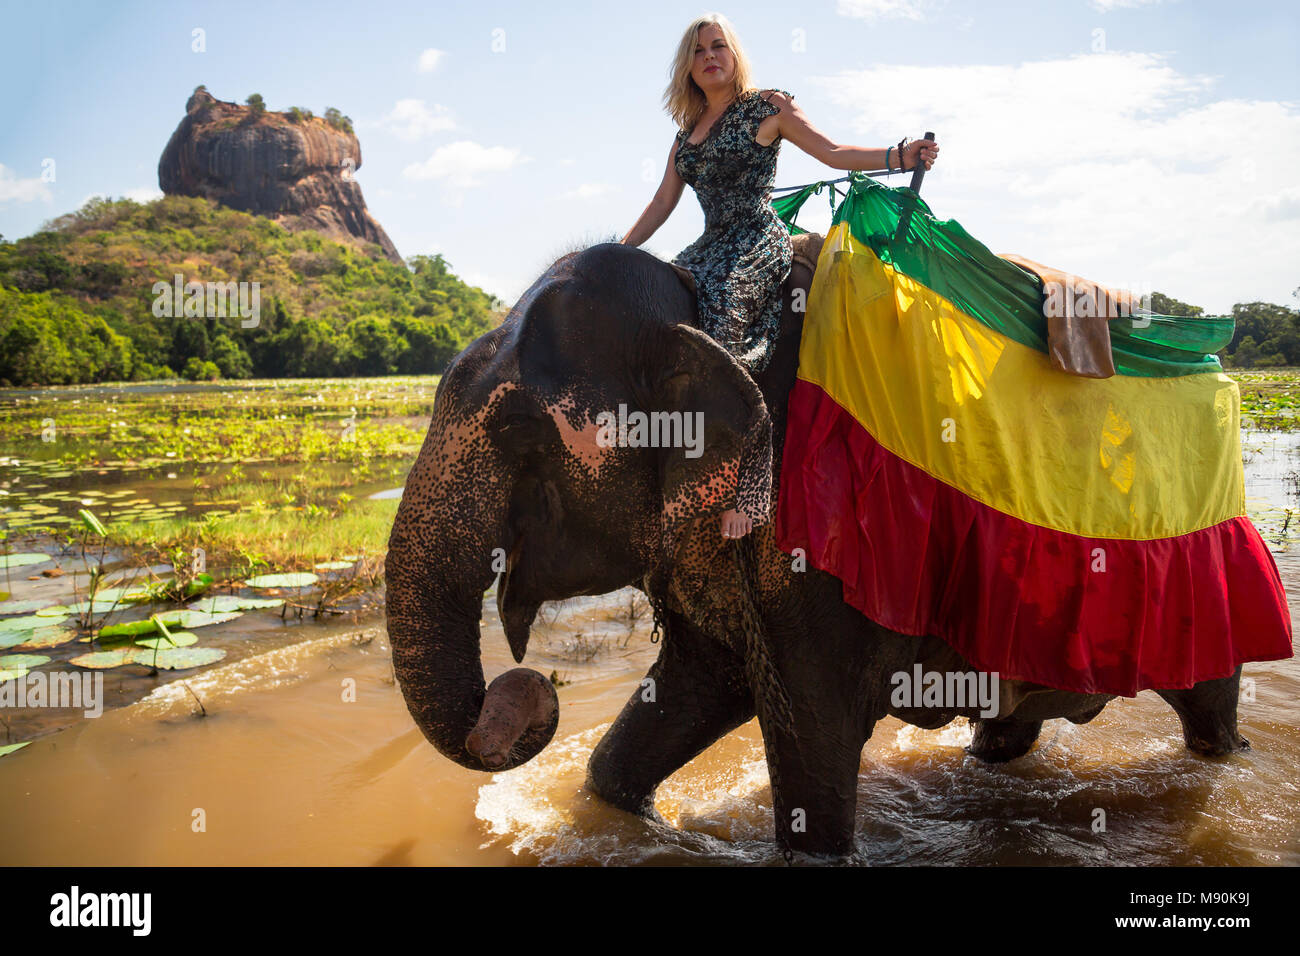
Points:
(769, 689)
(659, 607)
(760, 670)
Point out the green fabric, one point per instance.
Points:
(787, 207)
(944, 257)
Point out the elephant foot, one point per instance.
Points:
(997, 741)
(1208, 714)
(1219, 746)
(621, 797)
(852, 857)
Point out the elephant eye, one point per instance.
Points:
(516, 421)
(524, 433)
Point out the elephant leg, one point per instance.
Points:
(997, 741)
(693, 695)
(836, 676)
(1208, 712)
(814, 785)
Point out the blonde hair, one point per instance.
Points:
(683, 99)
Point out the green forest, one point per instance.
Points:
(77, 300)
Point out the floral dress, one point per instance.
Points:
(744, 253)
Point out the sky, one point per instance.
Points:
(1150, 144)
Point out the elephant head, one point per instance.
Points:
(522, 474)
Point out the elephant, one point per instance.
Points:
(514, 480)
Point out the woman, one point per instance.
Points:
(726, 150)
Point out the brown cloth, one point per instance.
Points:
(1078, 313)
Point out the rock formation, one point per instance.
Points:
(295, 172)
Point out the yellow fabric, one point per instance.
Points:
(1121, 457)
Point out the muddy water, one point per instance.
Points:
(287, 768)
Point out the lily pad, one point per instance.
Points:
(30, 622)
(178, 639)
(185, 618)
(220, 603)
(188, 618)
(102, 660)
(33, 606)
(98, 606)
(180, 658)
(92, 523)
(10, 748)
(12, 674)
(129, 629)
(333, 565)
(25, 661)
(124, 594)
(294, 580)
(22, 560)
(44, 637)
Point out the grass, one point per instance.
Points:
(261, 475)
(285, 538)
(313, 420)
(1270, 399)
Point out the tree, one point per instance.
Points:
(1270, 330)
(197, 370)
(338, 120)
(429, 347)
(256, 103)
(1162, 304)
(1246, 354)
(232, 360)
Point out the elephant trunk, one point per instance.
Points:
(518, 703)
(439, 563)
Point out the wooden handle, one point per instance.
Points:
(918, 174)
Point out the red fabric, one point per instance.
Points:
(920, 557)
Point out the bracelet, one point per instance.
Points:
(888, 168)
(901, 143)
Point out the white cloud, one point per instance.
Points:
(144, 194)
(506, 288)
(430, 59)
(411, 120)
(1285, 205)
(1105, 6)
(883, 9)
(587, 191)
(1113, 166)
(465, 163)
(13, 189)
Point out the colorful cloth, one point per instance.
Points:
(1086, 534)
(744, 253)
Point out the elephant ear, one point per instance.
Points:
(687, 277)
(729, 464)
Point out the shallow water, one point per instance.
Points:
(284, 769)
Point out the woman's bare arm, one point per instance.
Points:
(793, 124)
(661, 206)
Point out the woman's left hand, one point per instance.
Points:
(926, 149)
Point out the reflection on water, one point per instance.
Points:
(308, 755)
